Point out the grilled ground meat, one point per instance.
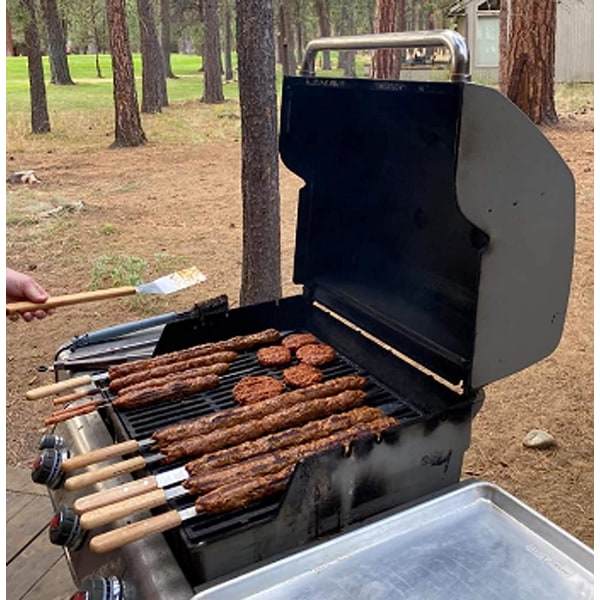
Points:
(274, 356)
(256, 388)
(283, 439)
(233, 416)
(202, 483)
(315, 354)
(175, 390)
(239, 494)
(172, 371)
(242, 493)
(281, 419)
(217, 369)
(302, 375)
(236, 344)
(296, 340)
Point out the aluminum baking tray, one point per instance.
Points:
(475, 541)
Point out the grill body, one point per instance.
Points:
(416, 273)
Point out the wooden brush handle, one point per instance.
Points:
(115, 494)
(105, 542)
(96, 456)
(70, 299)
(112, 512)
(85, 479)
(56, 388)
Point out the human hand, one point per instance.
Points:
(21, 287)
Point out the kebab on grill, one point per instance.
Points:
(234, 344)
(195, 482)
(227, 456)
(223, 437)
(198, 427)
(160, 376)
(239, 492)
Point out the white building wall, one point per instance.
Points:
(575, 41)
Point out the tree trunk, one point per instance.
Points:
(213, 83)
(128, 126)
(288, 60)
(10, 47)
(40, 121)
(261, 260)
(228, 61)
(59, 67)
(165, 37)
(389, 16)
(530, 60)
(96, 35)
(322, 7)
(347, 59)
(503, 44)
(154, 86)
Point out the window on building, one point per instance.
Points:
(487, 41)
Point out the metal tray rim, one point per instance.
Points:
(447, 502)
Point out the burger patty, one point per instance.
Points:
(297, 340)
(302, 375)
(315, 354)
(274, 356)
(256, 388)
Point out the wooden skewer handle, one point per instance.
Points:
(68, 398)
(112, 512)
(64, 415)
(96, 456)
(70, 299)
(76, 408)
(85, 479)
(115, 494)
(56, 388)
(105, 542)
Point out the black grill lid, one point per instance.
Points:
(452, 243)
(380, 237)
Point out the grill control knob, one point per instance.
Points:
(46, 467)
(51, 441)
(65, 529)
(102, 588)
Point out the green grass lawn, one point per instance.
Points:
(83, 114)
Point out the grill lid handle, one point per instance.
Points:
(459, 53)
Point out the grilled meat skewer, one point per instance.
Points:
(210, 423)
(221, 458)
(230, 496)
(281, 419)
(238, 343)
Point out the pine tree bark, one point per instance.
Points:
(213, 83)
(128, 126)
(40, 121)
(322, 8)
(528, 77)
(389, 16)
(55, 37)
(154, 86)
(288, 60)
(261, 259)
(10, 47)
(165, 37)
(347, 59)
(227, 48)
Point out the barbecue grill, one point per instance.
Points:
(434, 245)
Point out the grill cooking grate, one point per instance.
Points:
(140, 423)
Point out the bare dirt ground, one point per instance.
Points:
(176, 205)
